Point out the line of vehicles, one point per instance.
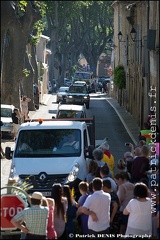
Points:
(56, 150)
(44, 153)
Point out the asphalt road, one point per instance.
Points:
(107, 125)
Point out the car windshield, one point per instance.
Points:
(82, 75)
(48, 143)
(6, 112)
(78, 89)
(63, 89)
(69, 114)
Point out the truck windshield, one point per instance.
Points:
(82, 75)
(78, 89)
(48, 143)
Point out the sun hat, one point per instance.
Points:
(37, 195)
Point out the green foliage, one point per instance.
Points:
(26, 72)
(120, 77)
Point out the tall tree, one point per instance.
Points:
(97, 20)
(78, 27)
(15, 37)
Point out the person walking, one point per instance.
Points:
(141, 165)
(98, 156)
(34, 217)
(139, 211)
(83, 188)
(108, 157)
(114, 207)
(71, 211)
(97, 206)
(91, 170)
(51, 232)
(16, 121)
(104, 173)
(60, 209)
(24, 107)
(125, 194)
(147, 133)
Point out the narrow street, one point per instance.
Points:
(107, 124)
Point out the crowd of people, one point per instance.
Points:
(110, 202)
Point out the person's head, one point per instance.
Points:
(92, 167)
(140, 190)
(36, 198)
(145, 150)
(121, 165)
(45, 202)
(141, 143)
(107, 186)
(67, 193)
(128, 156)
(120, 178)
(105, 146)
(137, 151)
(16, 110)
(97, 184)
(104, 171)
(71, 138)
(24, 98)
(57, 194)
(83, 187)
(98, 154)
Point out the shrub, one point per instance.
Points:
(120, 77)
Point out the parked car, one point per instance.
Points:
(71, 111)
(78, 93)
(6, 118)
(67, 82)
(36, 95)
(61, 94)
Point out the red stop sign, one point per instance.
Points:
(10, 206)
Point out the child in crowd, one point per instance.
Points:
(83, 188)
(93, 165)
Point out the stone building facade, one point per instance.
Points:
(139, 56)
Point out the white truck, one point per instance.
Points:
(41, 153)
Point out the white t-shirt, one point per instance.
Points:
(140, 217)
(99, 203)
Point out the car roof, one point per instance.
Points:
(79, 82)
(64, 87)
(51, 125)
(7, 106)
(71, 107)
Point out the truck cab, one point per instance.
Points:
(44, 155)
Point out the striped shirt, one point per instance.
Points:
(35, 218)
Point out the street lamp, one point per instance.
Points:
(133, 34)
(120, 36)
